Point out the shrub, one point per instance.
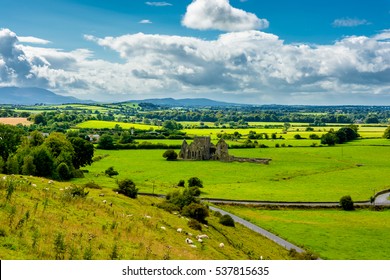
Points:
(111, 171)
(127, 187)
(196, 211)
(168, 206)
(195, 191)
(92, 185)
(194, 224)
(170, 154)
(227, 220)
(346, 203)
(77, 173)
(195, 182)
(181, 183)
(63, 172)
(217, 214)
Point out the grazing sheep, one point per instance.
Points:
(34, 185)
(189, 234)
(147, 217)
(163, 228)
(179, 230)
(202, 236)
(104, 201)
(61, 190)
(200, 240)
(111, 204)
(102, 194)
(5, 178)
(189, 241)
(206, 226)
(50, 182)
(261, 258)
(221, 245)
(193, 246)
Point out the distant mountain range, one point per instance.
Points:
(31, 96)
(187, 102)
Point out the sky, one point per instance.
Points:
(322, 52)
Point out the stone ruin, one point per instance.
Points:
(202, 149)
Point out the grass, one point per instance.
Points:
(38, 222)
(333, 234)
(111, 125)
(294, 174)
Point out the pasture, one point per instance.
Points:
(111, 125)
(294, 174)
(332, 234)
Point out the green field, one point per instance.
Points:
(333, 234)
(294, 174)
(111, 125)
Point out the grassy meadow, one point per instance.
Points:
(111, 125)
(294, 174)
(39, 220)
(332, 234)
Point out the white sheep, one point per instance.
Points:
(221, 245)
(5, 178)
(34, 185)
(189, 234)
(189, 241)
(179, 230)
(102, 194)
(200, 240)
(61, 190)
(202, 236)
(104, 201)
(163, 228)
(147, 217)
(193, 246)
(50, 182)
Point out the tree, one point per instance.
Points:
(386, 134)
(58, 143)
(170, 154)
(106, 142)
(36, 138)
(12, 165)
(346, 203)
(111, 172)
(83, 152)
(43, 160)
(127, 187)
(329, 139)
(28, 167)
(126, 138)
(195, 182)
(10, 138)
(181, 183)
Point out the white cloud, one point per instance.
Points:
(145, 21)
(158, 4)
(33, 40)
(349, 22)
(254, 65)
(220, 15)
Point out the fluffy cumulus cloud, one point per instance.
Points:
(220, 15)
(158, 4)
(248, 65)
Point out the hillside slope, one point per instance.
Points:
(40, 220)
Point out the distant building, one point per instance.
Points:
(202, 149)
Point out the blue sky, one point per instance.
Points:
(248, 51)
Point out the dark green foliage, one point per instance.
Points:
(28, 167)
(181, 199)
(168, 206)
(44, 162)
(114, 254)
(127, 187)
(346, 203)
(329, 139)
(195, 182)
(11, 137)
(83, 152)
(111, 171)
(75, 192)
(77, 173)
(12, 165)
(181, 183)
(57, 143)
(195, 191)
(106, 142)
(297, 136)
(302, 256)
(386, 134)
(170, 154)
(63, 172)
(227, 220)
(194, 224)
(196, 211)
(36, 138)
(126, 138)
(217, 214)
(2, 165)
(314, 136)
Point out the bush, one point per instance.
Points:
(196, 211)
(181, 183)
(111, 171)
(127, 187)
(92, 185)
(195, 182)
(195, 191)
(170, 154)
(194, 224)
(168, 206)
(346, 203)
(227, 220)
(63, 172)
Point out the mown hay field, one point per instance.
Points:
(15, 121)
